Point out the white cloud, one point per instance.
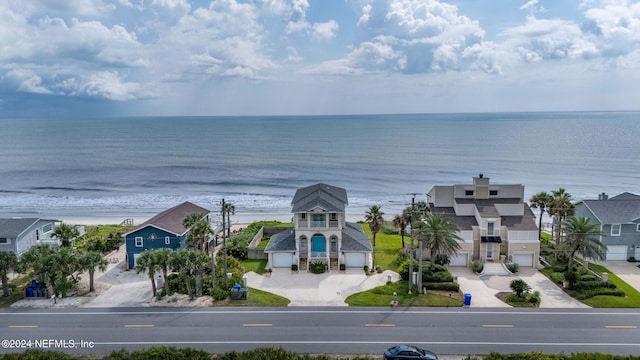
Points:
(27, 81)
(326, 30)
(615, 25)
(109, 85)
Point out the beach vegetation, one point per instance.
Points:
(102, 238)
(239, 242)
(52, 265)
(146, 263)
(582, 238)
(560, 208)
(541, 201)
(400, 222)
(383, 296)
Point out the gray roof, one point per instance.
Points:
(521, 223)
(171, 219)
(354, 239)
(11, 228)
(617, 210)
(462, 222)
(327, 197)
(282, 241)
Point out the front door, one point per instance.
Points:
(489, 251)
(318, 246)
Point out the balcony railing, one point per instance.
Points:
(485, 232)
(318, 254)
(333, 223)
(318, 224)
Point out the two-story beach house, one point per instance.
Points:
(619, 218)
(320, 233)
(164, 230)
(20, 234)
(495, 222)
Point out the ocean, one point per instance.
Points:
(110, 169)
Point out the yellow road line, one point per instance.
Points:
(621, 327)
(139, 326)
(497, 326)
(22, 326)
(257, 325)
(379, 325)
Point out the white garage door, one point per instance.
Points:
(523, 259)
(281, 260)
(617, 252)
(458, 260)
(354, 260)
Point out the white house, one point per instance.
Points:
(320, 233)
(20, 234)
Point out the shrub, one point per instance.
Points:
(596, 284)
(437, 277)
(220, 294)
(572, 278)
(294, 267)
(378, 269)
(477, 266)
(582, 295)
(366, 268)
(520, 287)
(343, 267)
(589, 277)
(557, 278)
(442, 259)
(513, 267)
(317, 267)
(389, 230)
(444, 286)
(403, 271)
(401, 257)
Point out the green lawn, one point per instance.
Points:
(383, 296)
(258, 266)
(632, 300)
(387, 248)
(256, 298)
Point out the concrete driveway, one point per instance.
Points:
(484, 288)
(627, 271)
(328, 289)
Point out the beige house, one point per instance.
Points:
(495, 223)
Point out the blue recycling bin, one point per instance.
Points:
(467, 299)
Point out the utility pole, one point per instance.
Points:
(224, 244)
(413, 200)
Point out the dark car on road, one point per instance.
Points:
(401, 352)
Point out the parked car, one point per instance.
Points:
(400, 352)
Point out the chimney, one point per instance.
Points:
(603, 196)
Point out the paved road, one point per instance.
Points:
(333, 330)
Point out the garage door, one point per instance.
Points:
(281, 260)
(458, 260)
(523, 259)
(617, 252)
(354, 260)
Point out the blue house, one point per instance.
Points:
(619, 218)
(164, 230)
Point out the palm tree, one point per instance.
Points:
(560, 207)
(8, 263)
(181, 262)
(146, 262)
(229, 209)
(542, 201)
(520, 287)
(162, 258)
(65, 233)
(373, 217)
(582, 237)
(90, 261)
(199, 230)
(401, 222)
(198, 262)
(439, 235)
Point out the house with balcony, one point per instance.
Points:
(619, 219)
(18, 235)
(496, 224)
(320, 233)
(164, 230)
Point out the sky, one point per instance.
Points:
(94, 58)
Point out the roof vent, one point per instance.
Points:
(481, 175)
(603, 196)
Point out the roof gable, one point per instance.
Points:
(626, 196)
(171, 219)
(327, 197)
(13, 227)
(616, 210)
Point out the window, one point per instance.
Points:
(493, 192)
(47, 228)
(37, 234)
(638, 227)
(333, 217)
(334, 246)
(615, 229)
(317, 220)
(303, 216)
(139, 241)
(303, 244)
(4, 241)
(468, 192)
(167, 240)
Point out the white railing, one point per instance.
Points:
(318, 254)
(485, 232)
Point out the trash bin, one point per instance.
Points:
(467, 299)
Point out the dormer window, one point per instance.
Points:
(468, 192)
(493, 192)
